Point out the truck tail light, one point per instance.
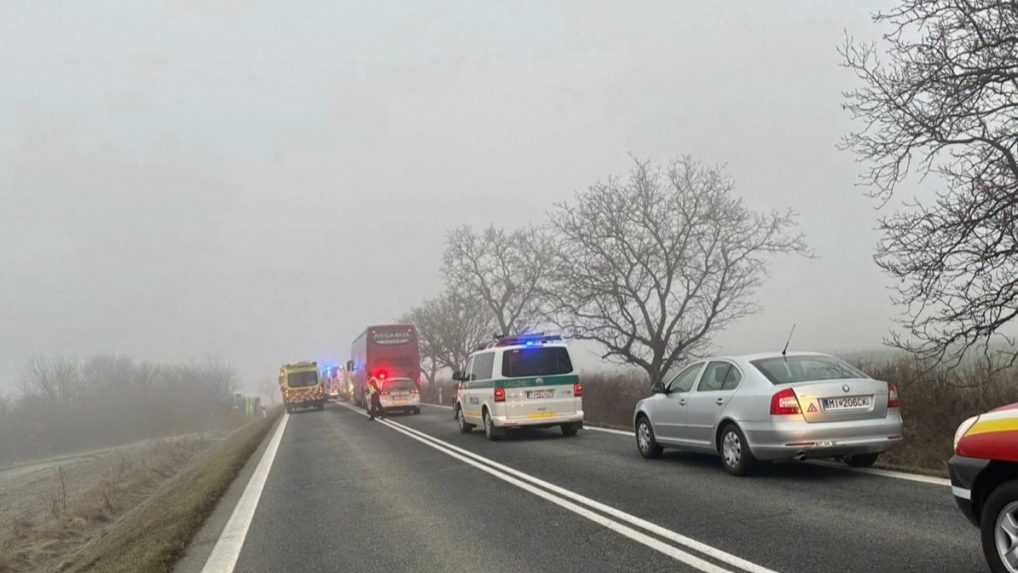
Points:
(578, 390)
(500, 394)
(892, 396)
(784, 403)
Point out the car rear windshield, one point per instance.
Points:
(791, 369)
(400, 385)
(301, 379)
(542, 361)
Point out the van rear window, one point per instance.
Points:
(540, 361)
(302, 379)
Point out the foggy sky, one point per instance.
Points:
(259, 181)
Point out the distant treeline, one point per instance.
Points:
(64, 404)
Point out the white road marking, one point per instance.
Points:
(609, 430)
(436, 405)
(872, 471)
(616, 513)
(231, 540)
(673, 552)
(886, 473)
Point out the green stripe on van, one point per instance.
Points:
(558, 380)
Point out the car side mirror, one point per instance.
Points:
(658, 388)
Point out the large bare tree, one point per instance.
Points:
(940, 96)
(504, 270)
(450, 327)
(652, 265)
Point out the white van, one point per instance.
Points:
(520, 382)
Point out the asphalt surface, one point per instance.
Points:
(346, 494)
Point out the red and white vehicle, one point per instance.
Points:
(984, 481)
(386, 352)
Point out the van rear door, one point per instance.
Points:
(539, 383)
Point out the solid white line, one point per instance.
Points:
(227, 549)
(673, 552)
(886, 473)
(436, 405)
(872, 471)
(616, 513)
(609, 430)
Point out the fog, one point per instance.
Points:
(259, 182)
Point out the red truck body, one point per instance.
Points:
(385, 351)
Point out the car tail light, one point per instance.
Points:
(500, 394)
(892, 396)
(784, 403)
(578, 390)
(413, 390)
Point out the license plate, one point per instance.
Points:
(847, 403)
(540, 394)
(540, 415)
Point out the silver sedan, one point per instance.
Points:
(766, 407)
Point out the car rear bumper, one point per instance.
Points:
(407, 405)
(777, 439)
(964, 472)
(542, 422)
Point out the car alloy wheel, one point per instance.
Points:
(731, 449)
(1006, 536)
(643, 436)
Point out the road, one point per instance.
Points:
(413, 494)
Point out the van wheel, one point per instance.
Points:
(569, 430)
(861, 460)
(735, 454)
(490, 431)
(646, 443)
(465, 428)
(998, 527)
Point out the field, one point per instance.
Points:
(51, 507)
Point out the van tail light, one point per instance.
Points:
(892, 396)
(578, 390)
(500, 394)
(784, 403)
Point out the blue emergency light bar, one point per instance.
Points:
(533, 339)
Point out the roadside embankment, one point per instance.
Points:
(142, 512)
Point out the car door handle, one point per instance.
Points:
(719, 401)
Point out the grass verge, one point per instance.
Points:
(153, 536)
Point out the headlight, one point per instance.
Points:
(962, 429)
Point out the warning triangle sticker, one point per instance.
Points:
(812, 408)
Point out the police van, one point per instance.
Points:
(520, 382)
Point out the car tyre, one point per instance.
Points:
(571, 429)
(465, 428)
(736, 457)
(490, 431)
(861, 460)
(999, 526)
(646, 443)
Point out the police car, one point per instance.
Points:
(984, 480)
(520, 382)
(400, 394)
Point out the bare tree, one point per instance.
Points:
(450, 327)
(426, 341)
(652, 266)
(945, 102)
(506, 271)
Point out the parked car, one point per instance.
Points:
(525, 381)
(400, 394)
(774, 406)
(984, 481)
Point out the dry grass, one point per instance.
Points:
(41, 540)
(152, 535)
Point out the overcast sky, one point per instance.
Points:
(259, 181)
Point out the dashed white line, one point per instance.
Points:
(231, 540)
